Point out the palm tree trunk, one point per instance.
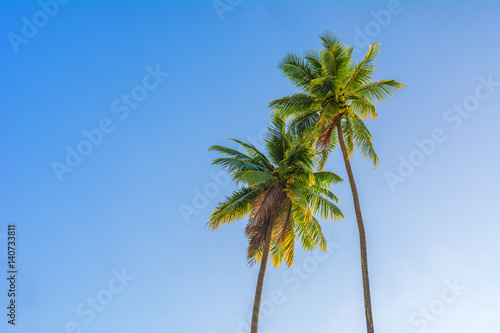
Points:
(362, 237)
(260, 280)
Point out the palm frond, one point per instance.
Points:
(326, 178)
(324, 207)
(230, 152)
(347, 135)
(302, 124)
(336, 61)
(299, 103)
(298, 155)
(296, 70)
(254, 178)
(234, 207)
(235, 164)
(255, 154)
(276, 139)
(361, 72)
(380, 90)
(329, 40)
(313, 58)
(363, 139)
(309, 233)
(300, 204)
(363, 108)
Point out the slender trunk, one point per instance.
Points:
(260, 280)
(362, 237)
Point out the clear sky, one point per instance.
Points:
(102, 243)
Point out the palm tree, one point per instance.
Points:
(335, 96)
(281, 193)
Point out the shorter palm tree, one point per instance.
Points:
(280, 193)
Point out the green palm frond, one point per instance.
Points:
(325, 192)
(363, 139)
(276, 139)
(321, 87)
(323, 207)
(361, 73)
(303, 124)
(313, 58)
(347, 134)
(254, 178)
(288, 244)
(235, 207)
(299, 103)
(329, 40)
(234, 164)
(255, 154)
(380, 90)
(230, 152)
(304, 178)
(297, 70)
(329, 64)
(300, 204)
(326, 178)
(336, 59)
(363, 108)
(299, 155)
(309, 233)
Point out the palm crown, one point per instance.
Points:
(279, 190)
(334, 91)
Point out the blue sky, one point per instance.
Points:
(112, 228)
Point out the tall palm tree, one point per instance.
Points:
(281, 193)
(335, 96)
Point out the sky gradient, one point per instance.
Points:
(105, 243)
